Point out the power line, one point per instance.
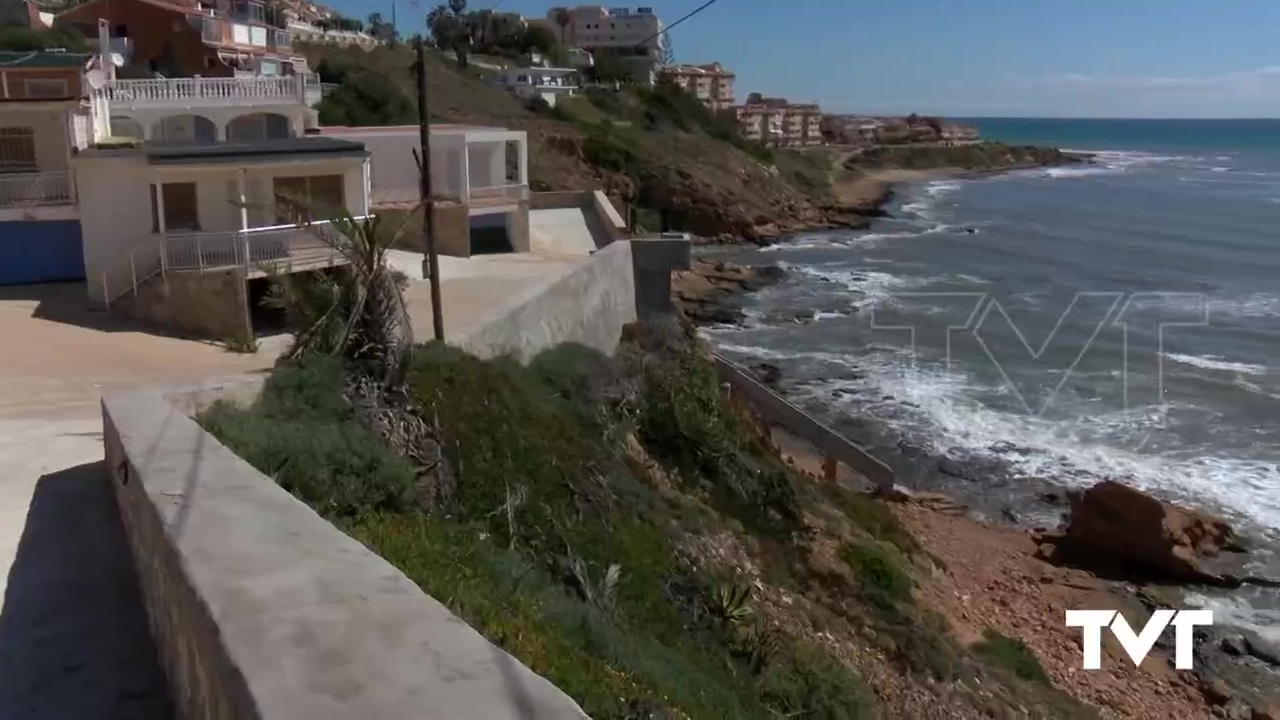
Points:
(668, 28)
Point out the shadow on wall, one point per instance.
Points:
(74, 640)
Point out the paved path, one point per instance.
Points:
(73, 632)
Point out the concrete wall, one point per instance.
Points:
(50, 131)
(452, 229)
(261, 609)
(589, 305)
(213, 304)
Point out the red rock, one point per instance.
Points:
(1116, 527)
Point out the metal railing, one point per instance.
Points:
(253, 248)
(776, 410)
(55, 187)
(142, 263)
(214, 91)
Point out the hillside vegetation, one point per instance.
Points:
(977, 157)
(658, 149)
(622, 530)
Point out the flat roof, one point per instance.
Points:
(170, 152)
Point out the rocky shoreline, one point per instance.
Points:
(1035, 562)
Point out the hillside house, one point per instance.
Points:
(184, 38)
(547, 83)
(41, 124)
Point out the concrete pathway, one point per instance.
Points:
(74, 641)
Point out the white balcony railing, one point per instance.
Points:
(254, 248)
(203, 91)
(30, 189)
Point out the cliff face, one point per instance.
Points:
(979, 157)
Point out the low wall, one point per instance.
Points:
(776, 410)
(589, 306)
(625, 281)
(261, 609)
(213, 304)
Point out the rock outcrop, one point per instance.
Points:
(708, 292)
(1117, 530)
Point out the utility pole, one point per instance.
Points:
(430, 264)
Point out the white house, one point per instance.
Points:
(548, 83)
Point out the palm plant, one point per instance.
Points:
(360, 314)
(563, 18)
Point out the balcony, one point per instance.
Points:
(191, 92)
(32, 189)
(261, 250)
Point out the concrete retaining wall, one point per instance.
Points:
(589, 306)
(213, 304)
(625, 281)
(262, 609)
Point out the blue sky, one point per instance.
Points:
(1059, 58)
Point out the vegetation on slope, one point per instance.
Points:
(976, 157)
(621, 530)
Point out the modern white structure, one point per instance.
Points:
(548, 83)
(306, 32)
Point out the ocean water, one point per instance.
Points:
(1120, 319)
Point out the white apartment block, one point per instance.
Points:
(711, 83)
(624, 30)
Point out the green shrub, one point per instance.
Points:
(881, 578)
(684, 421)
(302, 434)
(812, 684)
(872, 516)
(605, 149)
(1011, 654)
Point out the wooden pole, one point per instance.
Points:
(431, 264)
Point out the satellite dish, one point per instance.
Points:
(96, 79)
(117, 59)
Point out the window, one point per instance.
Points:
(180, 207)
(17, 149)
(321, 194)
(121, 31)
(46, 88)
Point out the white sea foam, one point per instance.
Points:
(1213, 362)
(1058, 173)
(939, 406)
(876, 287)
(1236, 611)
(1220, 169)
(815, 243)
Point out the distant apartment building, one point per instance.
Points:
(627, 31)
(956, 134)
(633, 35)
(711, 83)
(776, 121)
(213, 38)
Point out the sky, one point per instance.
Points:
(1009, 58)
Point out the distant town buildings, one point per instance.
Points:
(711, 83)
(777, 122)
(306, 32)
(547, 83)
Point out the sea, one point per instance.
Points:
(996, 336)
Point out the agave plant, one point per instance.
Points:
(359, 314)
